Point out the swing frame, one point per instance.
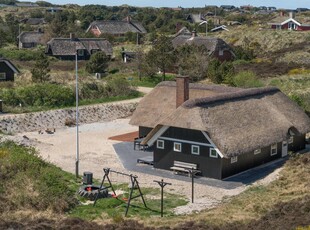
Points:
(134, 184)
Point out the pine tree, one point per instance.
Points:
(40, 72)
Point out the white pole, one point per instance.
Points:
(77, 116)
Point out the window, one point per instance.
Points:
(195, 150)
(257, 151)
(291, 140)
(160, 144)
(177, 147)
(213, 153)
(80, 52)
(273, 150)
(221, 52)
(233, 159)
(2, 76)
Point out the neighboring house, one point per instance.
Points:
(116, 28)
(290, 23)
(195, 18)
(26, 4)
(217, 47)
(54, 10)
(228, 7)
(30, 39)
(7, 70)
(67, 48)
(128, 56)
(183, 31)
(221, 130)
(219, 28)
(34, 21)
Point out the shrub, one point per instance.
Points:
(246, 79)
(49, 95)
(20, 55)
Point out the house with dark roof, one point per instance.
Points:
(34, 21)
(291, 22)
(195, 18)
(216, 47)
(116, 28)
(7, 70)
(218, 130)
(67, 48)
(30, 39)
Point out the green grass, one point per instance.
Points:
(115, 208)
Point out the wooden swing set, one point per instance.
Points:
(134, 184)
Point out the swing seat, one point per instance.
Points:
(114, 195)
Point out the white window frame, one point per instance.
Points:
(160, 144)
(176, 149)
(198, 150)
(2, 76)
(210, 153)
(290, 140)
(234, 159)
(221, 52)
(257, 151)
(274, 146)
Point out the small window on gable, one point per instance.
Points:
(257, 151)
(80, 52)
(195, 150)
(177, 147)
(221, 52)
(290, 140)
(273, 150)
(2, 76)
(233, 159)
(160, 144)
(213, 153)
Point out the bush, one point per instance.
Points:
(20, 55)
(219, 72)
(246, 79)
(49, 95)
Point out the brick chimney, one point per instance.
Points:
(128, 19)
(281, 14)
(182, 90)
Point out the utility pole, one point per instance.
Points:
(77, 114)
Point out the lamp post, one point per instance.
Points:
(77, 115)
(205, 22)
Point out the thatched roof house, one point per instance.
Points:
(233, 122)
(116, 28)
(7, 70)
(30, 39)
(217, 47)
(66, 48)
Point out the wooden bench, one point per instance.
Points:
(182, 167)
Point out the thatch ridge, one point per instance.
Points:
(237, 95)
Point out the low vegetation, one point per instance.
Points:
(30, 184)
(44, 96)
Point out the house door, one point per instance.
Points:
(284, 148)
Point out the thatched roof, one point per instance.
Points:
(161, 101)
(31, 37)
(118, 27)
(183, 31)
(211, 43)
(67, 46)
(238, 121)
(9, 64)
